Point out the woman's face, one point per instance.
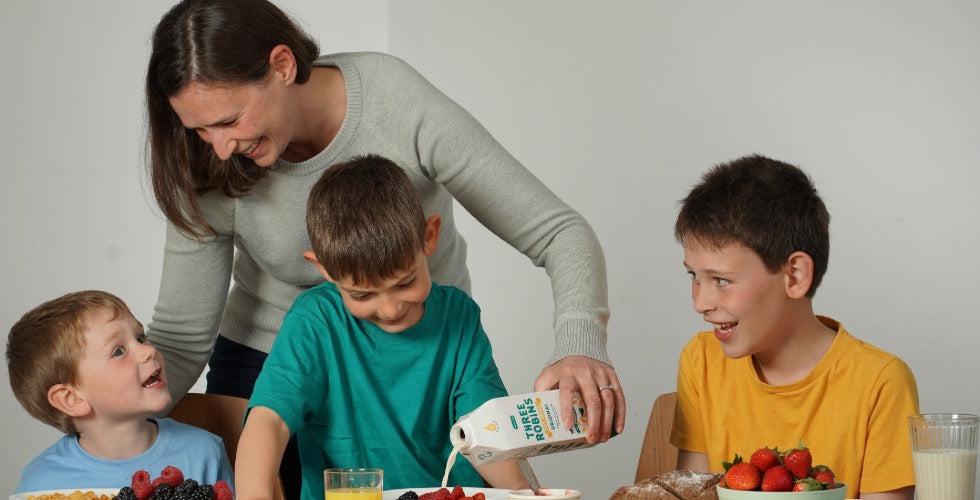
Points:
(236, 119)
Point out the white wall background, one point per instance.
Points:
(619, 107)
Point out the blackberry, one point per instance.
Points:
(204, 492)
(184, 490)
(126, 493)
(163, 492)
(409, 495)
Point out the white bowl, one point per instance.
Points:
(552, 493)
(838, 493)
(489, 493)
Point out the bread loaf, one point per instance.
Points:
(673, 485)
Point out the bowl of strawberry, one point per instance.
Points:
(772, 474)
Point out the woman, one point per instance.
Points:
(244, 114)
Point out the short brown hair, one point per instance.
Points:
(365, 220)
(767, 205)
(44, 348)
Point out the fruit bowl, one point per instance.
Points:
(838, 493)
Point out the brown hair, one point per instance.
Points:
(44, 348)
(215, 42)
(769, 206)
(365, 220)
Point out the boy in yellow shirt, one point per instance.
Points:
(770, 372)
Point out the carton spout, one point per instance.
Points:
(458, 436)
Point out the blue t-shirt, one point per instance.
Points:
(199, 454)
(357, 396)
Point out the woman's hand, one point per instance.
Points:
(606, 408)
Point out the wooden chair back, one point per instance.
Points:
(657, 455)
(219, 414)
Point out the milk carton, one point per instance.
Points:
(518, 427)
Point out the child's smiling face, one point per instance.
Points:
(395, 304)
(121, 374)
(734, 291)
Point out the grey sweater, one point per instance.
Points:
(394, 112)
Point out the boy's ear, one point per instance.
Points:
(432, 225)
(68, 400)
(310, 256)
(799, 274)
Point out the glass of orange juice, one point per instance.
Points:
(352, 483)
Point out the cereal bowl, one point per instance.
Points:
(838, 493)
(71, 493)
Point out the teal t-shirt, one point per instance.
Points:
(357, 396)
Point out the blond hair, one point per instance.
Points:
(45, 346)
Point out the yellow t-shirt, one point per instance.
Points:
(851, 411)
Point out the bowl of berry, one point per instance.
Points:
(771, 474)
(171, 485)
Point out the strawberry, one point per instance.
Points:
(765, 458)
(823, 474)
(808, 484)
(741, 475)
(798, 461)
(141, 485)
(222, 491)
(777, 478)
(172, 475)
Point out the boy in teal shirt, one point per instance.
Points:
(373, 367)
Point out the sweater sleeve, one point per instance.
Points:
(458, 152)
(193, 291)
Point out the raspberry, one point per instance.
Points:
(222, 491)
(172, 476)
(457, 493)
(141, 485)
(440, 494)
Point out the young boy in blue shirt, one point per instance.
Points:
(372, 367)
(770, 372)
(82, 364)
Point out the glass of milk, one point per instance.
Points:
(944, 455)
